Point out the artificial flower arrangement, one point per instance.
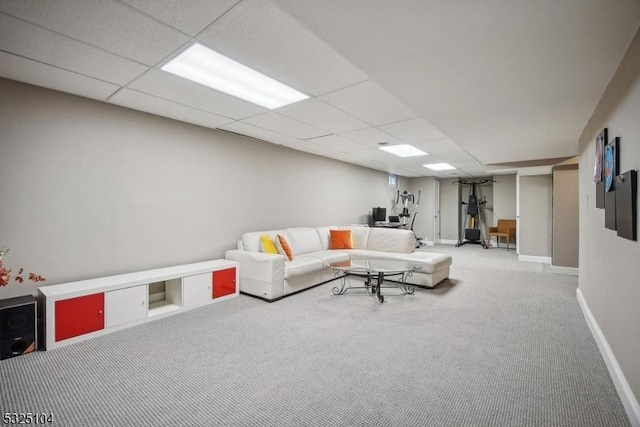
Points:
(5, 274)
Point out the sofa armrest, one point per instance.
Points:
(260, 274)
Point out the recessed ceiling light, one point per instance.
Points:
(212, 69)
(403, 150)
(439, 166)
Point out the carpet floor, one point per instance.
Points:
(501, 343)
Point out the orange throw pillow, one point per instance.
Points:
(341, 239)
(283, 247)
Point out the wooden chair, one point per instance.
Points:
(506, 228)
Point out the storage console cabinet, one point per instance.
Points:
(79, 310)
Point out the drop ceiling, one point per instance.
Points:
(471, 83)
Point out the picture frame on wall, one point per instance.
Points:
(601, 140)
(611, 166)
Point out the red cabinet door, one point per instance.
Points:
(78, 316)
(224, 282)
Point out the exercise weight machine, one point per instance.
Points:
(407, 199)
(473, 218)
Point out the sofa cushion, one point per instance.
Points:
(428, 261)
(283, 247)
(360, 235)
(327, 257)
(302, 264)
(390, 240)
(341, 239)
(251, 240)
(303, 240)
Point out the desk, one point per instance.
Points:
(390, 225)
(376, 269)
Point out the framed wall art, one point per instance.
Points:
(610, 164)
(601, 140)
(626, 201)
(598, 172)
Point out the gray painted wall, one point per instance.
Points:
(449, 209)
(91, 189)
(608, 277)
(535, 225)
(565, 217)
(504, 197)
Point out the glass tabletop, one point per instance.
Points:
(373, 266)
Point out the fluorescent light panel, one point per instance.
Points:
(439, 166)
(212, 69)
(403, 150)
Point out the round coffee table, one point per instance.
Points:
(374, 272)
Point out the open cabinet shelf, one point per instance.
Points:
(79, 310)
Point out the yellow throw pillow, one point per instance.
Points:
(283, 247)
(341, 239)
(266, 244)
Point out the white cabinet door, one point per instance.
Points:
(196, 290)
(126, 305)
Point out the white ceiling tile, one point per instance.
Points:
(467, 165)
(284, 125)
(177, 89)
(189, 16)
(421, 160)
(151, 104)
(438, 146)
(106, 24)
(413, 130)
(369, 136)
(35, 73)
(371, 103)
(34, 42)
(456, 156)
(416, 169)
(376, 154)
(258, 133)
(261, 36)
(322, 115)
(338, 143)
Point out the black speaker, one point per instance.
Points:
(17, 326)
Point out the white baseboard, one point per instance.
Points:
(569, 271)
(539, 259)
(627, 397)
(448, 242)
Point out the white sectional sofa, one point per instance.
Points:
(273, 276)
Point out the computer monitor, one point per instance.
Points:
(394, 218)
(379, 214)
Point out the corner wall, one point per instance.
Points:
(91, 189)
(608, 275)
